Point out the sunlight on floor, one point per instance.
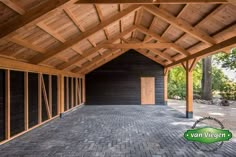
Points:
(216, 114)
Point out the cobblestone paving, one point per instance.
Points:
(113, 131)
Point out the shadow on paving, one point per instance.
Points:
(107, 131)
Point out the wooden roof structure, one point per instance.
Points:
(75, 37)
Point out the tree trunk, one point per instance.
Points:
(206, 78)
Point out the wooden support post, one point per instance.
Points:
(62, 94)
(83, 90)
(58, 94)
(79, 93)
(189, 64)
(166, 70)
(72, 92)
(26, 101)
(7, 107)
(50, 93)
(67, 93)
(39, 98)
(76, 91)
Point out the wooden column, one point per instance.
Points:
(62, 94)
(166, 70)
(83, 90)
(76, 91)
(189, 66)
(7, 107)
(59, 94)
(50, 93)
(26, 101)
(67, 93)
(72, 92)
(39, 98)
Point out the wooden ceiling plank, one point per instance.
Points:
(137, 20)
(152, 1)
(41, 58)
(229, 43)
(88, 53)
(13, 6)
(161, 39)
(32, 16)
(150, 27)
(181, 24)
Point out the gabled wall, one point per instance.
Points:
(118, 82)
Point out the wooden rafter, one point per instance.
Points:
(152, 1)
(101, 18)
(181, 24)
(137, 20)
(229, 43)
(161, 39)
(31, 16)
(137, 45)
(147, 38)
(41, 58)
(88, 53)
(13, 6)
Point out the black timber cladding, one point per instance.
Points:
(118, 82)
(2, 104)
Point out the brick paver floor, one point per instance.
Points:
(113, 131)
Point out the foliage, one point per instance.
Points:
(227, 61)
(219, 80)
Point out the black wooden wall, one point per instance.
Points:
(118, 82)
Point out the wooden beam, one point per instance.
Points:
(26, 101)
(29, 16)
(73, 19)
(51, 32)
(7, 105)
(13, 6)
(22, 66)
(46, 99)
(137, 45)
(229, 43)
(88, 53)
(44, 57)
(151, 1)
(150, 27)
(161, 39)
(80, 91)
(181, 24)
(39, 98)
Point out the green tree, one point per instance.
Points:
(227, 61)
